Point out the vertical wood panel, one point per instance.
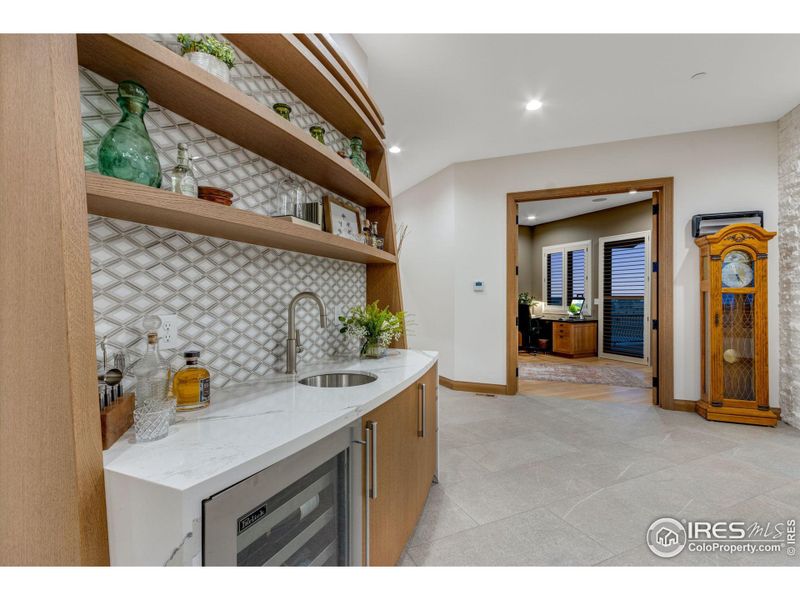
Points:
(52, 505)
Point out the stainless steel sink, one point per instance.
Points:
(338, 380)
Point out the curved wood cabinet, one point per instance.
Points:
(400, 465)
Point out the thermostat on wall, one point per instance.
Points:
(477, 286)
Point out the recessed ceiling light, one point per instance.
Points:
(395, 149)
(531, 217)
(533, 105)
(632, 191)
(699, 75)
(599, 199)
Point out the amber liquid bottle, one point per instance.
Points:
(192, 384)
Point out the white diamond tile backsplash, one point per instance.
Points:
(231, 298)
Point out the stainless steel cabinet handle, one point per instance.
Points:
(372, 428)
(422, 400)
(366, 444)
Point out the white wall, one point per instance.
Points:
(426, 265)
(717, 170)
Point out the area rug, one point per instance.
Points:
(620, 376)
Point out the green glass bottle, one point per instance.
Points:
(126, 152)
(358, 157)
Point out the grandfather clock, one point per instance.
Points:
(734, 358)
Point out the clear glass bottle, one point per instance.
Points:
(358, 157)
(181, 178)
(377, 240)
(192, 383)
(366, 232)
(126, 152)
(151, 371)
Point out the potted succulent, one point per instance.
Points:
(375, 327)
(208, 53)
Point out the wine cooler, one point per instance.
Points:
(298, 512)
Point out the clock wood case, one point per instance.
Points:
(734, 360)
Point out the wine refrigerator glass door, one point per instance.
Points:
(298, 512)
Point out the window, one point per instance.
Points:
(566, 275)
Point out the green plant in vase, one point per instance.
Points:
(208, 53)
(375, 327)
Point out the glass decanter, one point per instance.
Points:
(358, 157)
(126, 152)
(152, 372)
(181, 179)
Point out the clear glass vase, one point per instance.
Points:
(126, 152)
(372, 349)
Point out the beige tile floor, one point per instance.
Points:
(549, 481)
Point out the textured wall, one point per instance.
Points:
(231, 298)
(789, 247)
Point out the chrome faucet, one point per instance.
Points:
(293, 346)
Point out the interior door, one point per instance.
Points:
(624, 316)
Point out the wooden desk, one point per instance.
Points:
(575, 339)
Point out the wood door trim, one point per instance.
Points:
(661, 251)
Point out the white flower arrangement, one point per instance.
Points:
(373, 326)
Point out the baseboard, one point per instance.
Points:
(690, 406)
(684, 405)
(471, 386)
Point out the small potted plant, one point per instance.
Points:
(375, 327)
(208, 53)
(526, 299)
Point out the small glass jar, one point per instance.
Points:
(283, 110)
(318, 133)
(192, 383)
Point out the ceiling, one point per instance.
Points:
(546, 211)
(450, 98)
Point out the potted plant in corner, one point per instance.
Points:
(375, 327)
(209, 53)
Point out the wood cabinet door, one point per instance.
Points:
(391, 476)
(585, 337)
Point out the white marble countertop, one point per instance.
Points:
(247, 428)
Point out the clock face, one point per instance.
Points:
(737, 270)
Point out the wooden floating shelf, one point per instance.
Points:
(176, 84)
(110, 197)
(327, 41)
(287, 59)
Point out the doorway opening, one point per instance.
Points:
(589, 286)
